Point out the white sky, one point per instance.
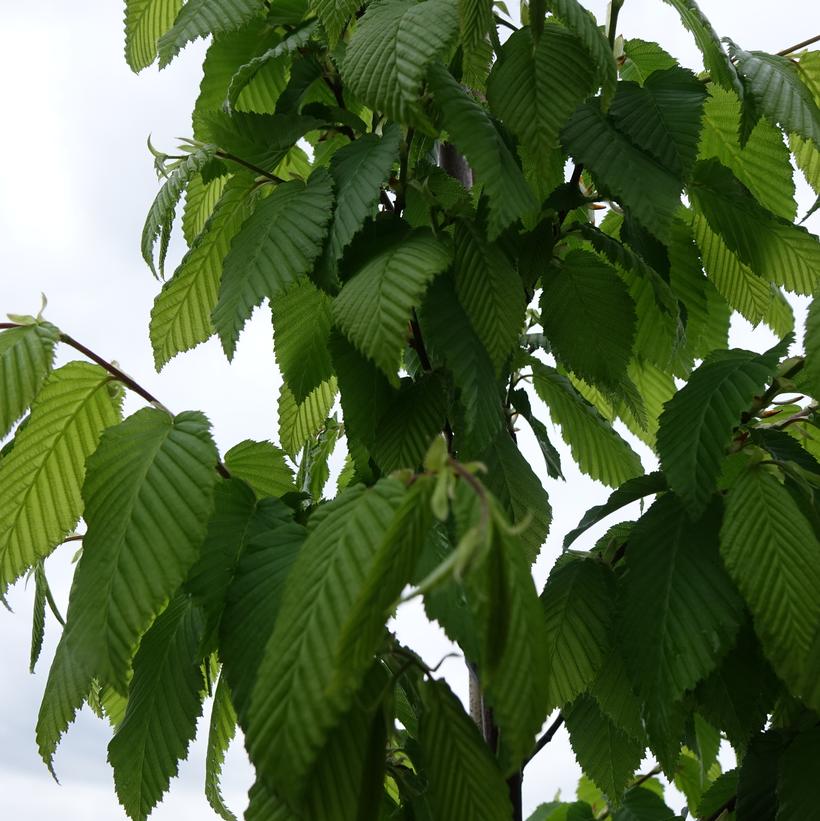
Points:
(76, 184)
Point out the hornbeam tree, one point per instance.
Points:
(449, 216)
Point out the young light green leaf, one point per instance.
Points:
(299, 423)
(375, 305)
(697, 423)
(262, 465)
(26, 356)
(145, 22)
(200, 200)
(772, 552)
(642, 58)
(475, 22)
(181, 316)
(164, 703)
(220, 734)
(277, 244)
(41, 478)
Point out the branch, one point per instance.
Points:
(728, 806)
(225, 155)
(614, 11)
(545, 739)
(118, 375)
(791, 49)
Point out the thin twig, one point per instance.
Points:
(727, 807)
(791, 49)
(545, 739)
(225, 155)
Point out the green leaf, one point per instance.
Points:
(254, 598)
(41, 478)
(626, 172)
(679, 611)
(613, 690)
(388, 54)
(475, 21)
(302, 323)
(642, 59)
(581, 21)
(299, 695)
(359, 171)
(139, 544)
(375, 305)
(181, 316)
(491, 292)
(772, 247)
(465, 783)
(450, 339)
(335, 15)
(26, 357)
(812, 346)
(220, 734)
(262, 465)
(583, 292)
(299, 423)
(552, 459)
(630, 491)
(738, 696)
(797, 785)
(276, 245)
(777, 88)
(604, 751)
(663, 117)
(698, 422)
(758, 777)
(578, 636)
(38, 620)
(519, 491)
(164, 703)
(772, 552)
(641, 804)
(524, 92)
(412, 420)
(762, 165)
(200, 200)
(145, 22)
(475, 135)
(599, 451)
(163, 209)
(715, 59)
(722, 790)
(199, 18)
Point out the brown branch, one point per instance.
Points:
(545, 739)
(791, 49)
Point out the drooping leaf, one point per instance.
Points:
(163, 209)
(145, 22)
(200, 200)
(697, 424)
(578, 611)
(475, 135)
(297, 699)
(465, 783)
(491, 292)
(630, 491)
(181, 316)
(38, 620)
(663, 116)
(164, 703)
(552, 459)
(599, 451)
(375, 306)
(220, 734)
(678, 608)
(771, 246)
(199, 18)
(762, 165)
(475, 20)
(581, 21)
(26, 356)
(262, 465)
(771, 551)
(299, 423)
(524, 92)
(275, 246)
(41, 478)
(302, 323)
(627, 173)
(583, 292)
(605, 752)
(779, 92)
(388, 55)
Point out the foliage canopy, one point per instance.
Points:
(417, 196)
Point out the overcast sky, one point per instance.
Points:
(76, 183)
